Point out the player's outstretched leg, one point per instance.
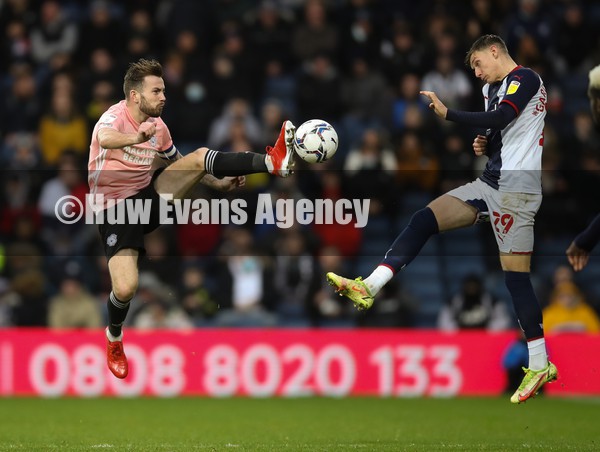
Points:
(115, 355)
(533, 381)
(280, 158)
(405, 248)
(355, 289)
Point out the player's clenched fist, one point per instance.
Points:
(146, 131)
(479, 145)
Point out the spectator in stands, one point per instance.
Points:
(18, 199)
(25, 11)
(191, 111)
(55, 35)
(161, 259)
(29, 284)
(196, 296)
(280, 85)
(418, 169)
(74, 306)
(574, 33)
(142, 26)
(314, 34)
(158, 308)
(21, 153)
(343, 237)
(237, 109)
(569, 312)
(482, 19)
(244, 280)
(138, 47)
(370, 168)
(62, 129)
(103, 95)
(360, 28)
(449, 82)
(226, 81)
(102, 67)
(318, 89)
(68, 181)
(402, 53)
(295, 279)
(160, 315)
(22, 107)
(269, 35)
(474, 308)
(15, 46)
(272, 113)
(408, 96)
(100, 30)
(26, 230)
(234, 46)
(531, 21)
(365, 97)
(456, 166)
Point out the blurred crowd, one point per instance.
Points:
(234, 70)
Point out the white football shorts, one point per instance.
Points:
(511, 215)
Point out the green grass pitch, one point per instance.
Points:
(312, 424)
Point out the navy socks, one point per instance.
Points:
(526, 304)
(407, 245)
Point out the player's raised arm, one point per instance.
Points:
(110, 138)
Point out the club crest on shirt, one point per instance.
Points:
(513, 87)
(153, 141)
(111, 240)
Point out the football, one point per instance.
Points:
(315, 141)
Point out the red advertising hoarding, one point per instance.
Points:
(277, 362)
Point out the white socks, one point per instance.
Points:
(113, 338)
(379, 278)
(538, 358)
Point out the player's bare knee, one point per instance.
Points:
(124, 290)
(199, 156)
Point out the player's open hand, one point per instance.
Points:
(435, 104)
(146, 131)
(479, 145)
(231, 183)
(578, 258)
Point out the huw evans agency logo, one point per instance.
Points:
(282, 212)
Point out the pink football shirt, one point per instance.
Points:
(121, 173)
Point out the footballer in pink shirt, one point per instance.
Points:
(123, 164)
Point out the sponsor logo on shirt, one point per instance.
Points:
(513, 87)
(108, 118)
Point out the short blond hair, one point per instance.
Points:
(594, 86)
